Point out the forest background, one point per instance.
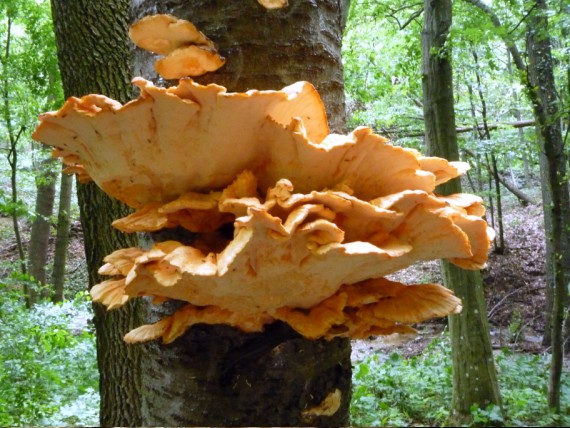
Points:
(48, 373)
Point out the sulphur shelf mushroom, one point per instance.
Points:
(273, 4)
(188, 51)
(305, 259)
(317, 220)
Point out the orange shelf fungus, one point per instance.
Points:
(188, 51)
(318, 219)
(273, 4)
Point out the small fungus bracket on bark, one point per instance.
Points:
(273, 4)
(318, 219)
(188, 51)
(328, 407)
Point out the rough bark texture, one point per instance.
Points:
(95, 57)
(62, 237)
(40, 234)
(499, 249)
(474, 375)
(215, 375)
(555, 182)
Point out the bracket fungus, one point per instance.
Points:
(273, 4)
(188, 51)
(318, 219)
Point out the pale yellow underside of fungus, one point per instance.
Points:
(318, 219)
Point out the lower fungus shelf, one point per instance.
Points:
(374, 307)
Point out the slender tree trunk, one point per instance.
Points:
(216, 375)
(541, 79)
(500, 249)
(549, 255)
(13, 162)
(12, 156)
(95, 57)
(518, 117)
(474, 375)
(62, 237)
(40, 234)
(491, 200)
(541, 110)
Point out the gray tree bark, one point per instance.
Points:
(474, 374)
(216, 375)
(62, 237)
(40, 234)
(555, 182)
(95, 56)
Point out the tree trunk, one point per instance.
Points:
(40, 234)
(474, 376)
(486, 135)
(541, 79)
(95, 57)
(119, 364)
(12, 156)
(541, 110)
(216, 375)
(62, 237)
(518, 116)
(500, 249)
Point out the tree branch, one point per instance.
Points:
(526, 15)
(522, 197)
(413, 16)
(463, 129)
(517, 58)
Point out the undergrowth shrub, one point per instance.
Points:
(396, 391)
(48, 368)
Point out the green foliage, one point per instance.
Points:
(491, 416)
(29, 85)
(524, 385)
(48, 371)
(397, 391)
(9, 208)
(382, 65)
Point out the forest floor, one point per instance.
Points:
(514, 284)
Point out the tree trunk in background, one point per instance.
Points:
(95, 57)
(518, 116)
(557, 211)
(216, 375)
(474, 375)
(542, 132)
(12, 155)
(499, 249)
(39, 238)
(62, 237)
(486, 136)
